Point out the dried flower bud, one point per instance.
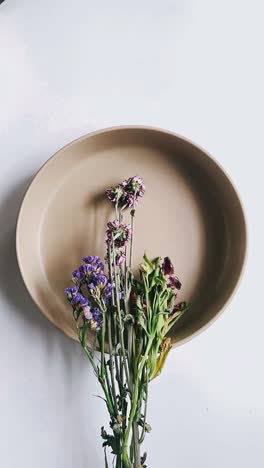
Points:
(143, 268)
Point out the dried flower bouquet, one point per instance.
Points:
(129, 320)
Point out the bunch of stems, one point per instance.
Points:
(133, 346)
(122, 370)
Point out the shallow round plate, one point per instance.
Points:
(190, 212)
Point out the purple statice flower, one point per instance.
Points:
(173, 281)
(119, 232)
(80, 301)
(100, 286)
(94, 263)
(91, 285)
(97, 317)
(78, 275)
(108, 291)
(71, 292)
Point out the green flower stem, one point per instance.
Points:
(143, 432)
(120, 322)
(134, 405)
(136, 445)
(103, 349)
(111, 361)
(113, 314)
(132, 234)
(108, 399)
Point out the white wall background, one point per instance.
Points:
(68, 67)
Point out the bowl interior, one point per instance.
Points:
(190, 212)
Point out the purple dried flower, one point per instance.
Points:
(133, 190)
(100, 286)
(108, 291)
(119, 232)
(173, 281)
(93, 263)
(78, 275)
(167, 266)
(71, 292)
(135, 186)
(101, 280)
(127, 193)
(114, 194)
(97, 317)
(88, 269)
(79, 300)
(87, 313)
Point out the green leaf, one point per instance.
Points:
(142, 323)
(150, 266)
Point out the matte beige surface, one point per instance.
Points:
(190, 212)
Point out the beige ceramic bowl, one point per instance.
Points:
(190, 212)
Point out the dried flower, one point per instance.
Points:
(119, 232)
(95, 262)
(127, 193)
(78, 275)
(167, 267)
(114, 194)
(173, 281)
(135, 186)
(78, 301)
(71, 292)
(97, 317)
(132, 317)
(87, 312)
(99, 286)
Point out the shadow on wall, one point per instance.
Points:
(53, 342)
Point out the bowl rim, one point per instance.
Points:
(163, 131)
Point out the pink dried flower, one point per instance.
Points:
(127, 193)
(120, 233)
